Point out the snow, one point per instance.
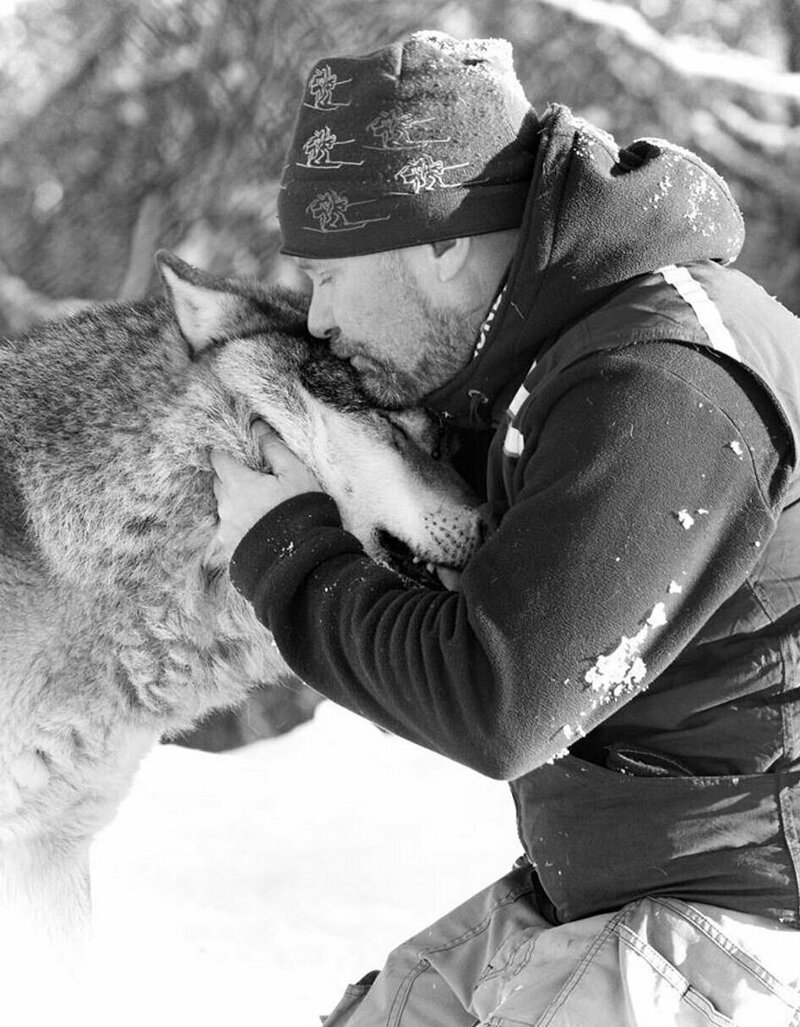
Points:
(250, 887)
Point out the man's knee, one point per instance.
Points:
(430, 978)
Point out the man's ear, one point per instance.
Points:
(205, 307)
(450, 256)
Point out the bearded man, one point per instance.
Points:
(623, 647)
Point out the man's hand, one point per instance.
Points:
(244, 496)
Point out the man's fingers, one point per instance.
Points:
(263, 433)
(279, 458)
(261, 430)
(222, 463)
(274, 451)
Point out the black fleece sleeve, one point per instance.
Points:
(640, 509)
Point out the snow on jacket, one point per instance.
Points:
(624, 645)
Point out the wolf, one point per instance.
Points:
(118, 620)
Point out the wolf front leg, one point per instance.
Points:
(57, 797)
(45, 893)
(44, 865)
(44, 928)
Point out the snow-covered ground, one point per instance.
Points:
(247, 888)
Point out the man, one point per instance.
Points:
(624, 647)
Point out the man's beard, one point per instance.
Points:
(447, 344)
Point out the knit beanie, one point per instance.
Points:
(428, 139)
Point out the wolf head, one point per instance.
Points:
(107, 421)
(379, 466)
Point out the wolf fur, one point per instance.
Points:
(118, 622)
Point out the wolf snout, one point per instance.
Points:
(455, 536)
(445, 537)
(450, 537)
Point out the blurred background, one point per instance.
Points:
(132, 124)
(129, 125)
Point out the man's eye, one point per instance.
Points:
(316, 278)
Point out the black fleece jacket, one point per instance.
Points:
(492, 674)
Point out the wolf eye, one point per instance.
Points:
(399, 436)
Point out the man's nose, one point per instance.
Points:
(320, 319)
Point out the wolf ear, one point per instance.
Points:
(205, 307)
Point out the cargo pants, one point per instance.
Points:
(496, 961)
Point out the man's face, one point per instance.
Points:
(379, 316)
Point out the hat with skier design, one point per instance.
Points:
(428, 139)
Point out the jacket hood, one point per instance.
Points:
(596, 216)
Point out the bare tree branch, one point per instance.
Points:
(101, 39)
(755, 168)
(144, 243)
(790, 20)
(778, 140)
(732, 67)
